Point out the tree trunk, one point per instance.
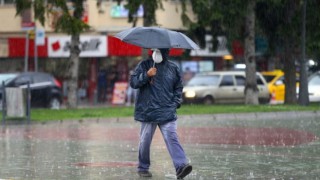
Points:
(289, 73)
(73, 71)
(303, 88)
(251, 90)
(146, 23)
(289, 59)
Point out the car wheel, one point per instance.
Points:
(54, 103)
(264, 100)
(208, 100)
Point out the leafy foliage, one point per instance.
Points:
(68, 21)
(313, 26)
(22, 5)
(69, 14)
(281, 22)
(149, 8)
(279, 19)
(216, 18)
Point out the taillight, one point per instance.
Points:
(57, 83)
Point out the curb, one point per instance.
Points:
(287, 115)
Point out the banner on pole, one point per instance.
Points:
(40, 37)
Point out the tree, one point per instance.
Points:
(312, 29)
(234, 19)
(303, 86)
(68, 22)
(280, 20)
(149, 11)
(251, 89)
(216, 18)
(149, 14)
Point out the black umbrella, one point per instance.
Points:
(155, 37)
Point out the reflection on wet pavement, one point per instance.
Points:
(107, 149)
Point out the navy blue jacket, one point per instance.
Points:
(158, 97)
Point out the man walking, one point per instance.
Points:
(159, 95)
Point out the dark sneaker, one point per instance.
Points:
(144, 174)
(183, 172)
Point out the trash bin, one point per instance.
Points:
(16, 102)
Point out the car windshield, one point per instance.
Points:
(204, 80)
(315, 80)
(269, 78)
(6, 77)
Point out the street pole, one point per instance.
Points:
(35, 49)
(35, 41)
(26, 53)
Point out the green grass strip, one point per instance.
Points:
(43, 115)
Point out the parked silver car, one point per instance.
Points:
(222, 87)
(314, 87)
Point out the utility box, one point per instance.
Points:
(16, 102)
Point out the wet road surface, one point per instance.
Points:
(242, 147)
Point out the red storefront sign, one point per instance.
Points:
(90, 46)
(118, 48)
(115, 47)
(17, 48)
(176, 52)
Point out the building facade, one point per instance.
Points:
(23, 49)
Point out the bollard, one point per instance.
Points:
(28, 103)
(3, 104)
(12, 109)
(95, 97)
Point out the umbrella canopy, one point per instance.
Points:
(155, 37)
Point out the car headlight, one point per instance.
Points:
(190, 94)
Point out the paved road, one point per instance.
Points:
(277, 145)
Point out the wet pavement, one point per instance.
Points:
(226, 146)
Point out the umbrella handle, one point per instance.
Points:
(154, 63)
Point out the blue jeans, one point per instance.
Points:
(169, 133)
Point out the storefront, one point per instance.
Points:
(100, 55)
(53, 56)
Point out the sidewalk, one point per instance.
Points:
(277, 145)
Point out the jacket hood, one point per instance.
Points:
(165, 53)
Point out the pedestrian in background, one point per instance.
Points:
(131, 93)
(159, 95)
(187, 75)
(102, 85)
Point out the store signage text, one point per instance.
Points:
(90, 46)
